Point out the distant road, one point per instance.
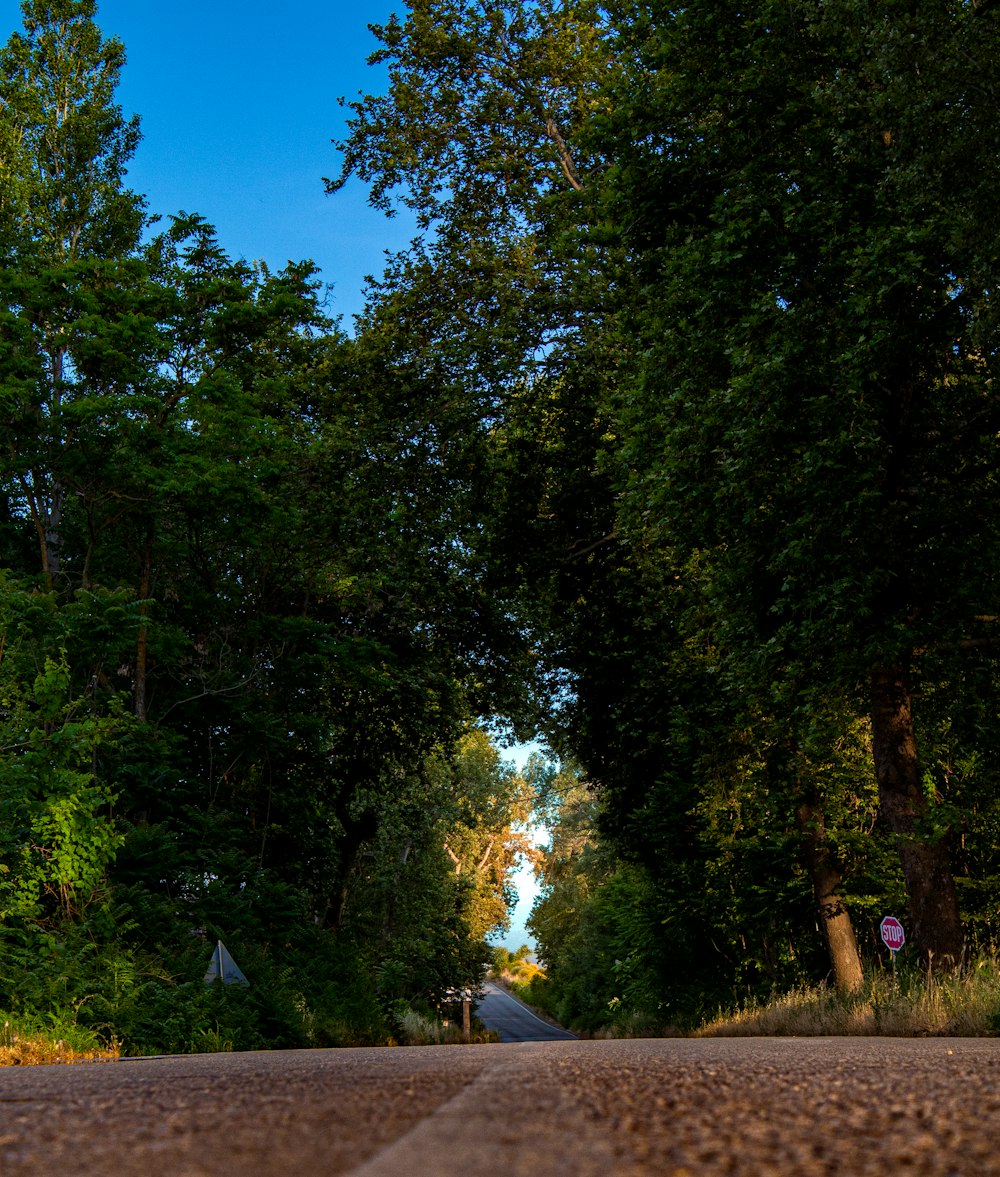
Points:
(765, 1107)
(515, 1022)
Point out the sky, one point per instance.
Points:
(238, 104)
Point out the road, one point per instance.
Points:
(669, 1108)
(499, 1011)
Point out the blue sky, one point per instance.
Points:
(238, 102)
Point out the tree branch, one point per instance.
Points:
(486, 857)
(598, 543)
(565, 158)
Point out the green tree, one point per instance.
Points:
(813, 422)
(487, 833)
(596, 920)
(219, 510)
(705, 312)
(516, 965)
(475, 136)
(434, 880)
(64, 217)
(66, 144)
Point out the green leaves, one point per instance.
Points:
(59, 840)
(65, 144)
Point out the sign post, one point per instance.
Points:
(465, 996)
(466, 1015)
(893, 936)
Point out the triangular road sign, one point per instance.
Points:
(223, 968)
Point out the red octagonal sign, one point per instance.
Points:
(893, 934)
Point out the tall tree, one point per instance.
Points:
(503, 319)
(64, 213)
(498, 298)
(757, 352)
(66, 144)
(815, 421)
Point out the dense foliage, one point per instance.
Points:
(241, 664)
(672, 435)
(739, 457)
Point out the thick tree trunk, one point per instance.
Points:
(826, 878)
(935, 923)
(336, 903)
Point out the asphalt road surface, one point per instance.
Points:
(514, 1021)
(677, 1108)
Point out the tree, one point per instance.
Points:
(219, 517)
(69, 234)
(487, 833)
(814, 422)
(66, 143)
(510, 367)
(434, 880)
(64, 214)
(475, 136)
(704, 312)
(516, 965)
(58, 836)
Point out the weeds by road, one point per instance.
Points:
(910, 1004)
(907, 1003)
(27, 1043)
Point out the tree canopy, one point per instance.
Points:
(243, 675)
(671, 436)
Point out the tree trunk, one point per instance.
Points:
(142, 640)
(46, 515)
(53, 534)
(356, 832)
(935, 923)
(826, 876)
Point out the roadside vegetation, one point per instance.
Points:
(418, 1029)
(514, 967)
(26, 1043)
(907, 1004)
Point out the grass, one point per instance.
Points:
(908, 1005)
(26, 1043)
(415, 1029)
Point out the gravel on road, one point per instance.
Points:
(674, 1107)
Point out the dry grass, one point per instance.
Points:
(966, 1005)
(520, 974)
(414, 1029)
(417, 1030)
(27, 1048)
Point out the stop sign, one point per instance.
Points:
(893, 934)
